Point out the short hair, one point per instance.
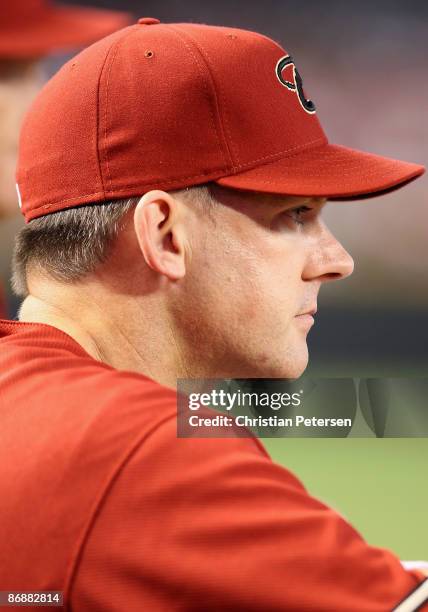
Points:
(69, 244)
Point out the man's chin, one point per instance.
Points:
(290, 373)
(290, 367)
(293, 365)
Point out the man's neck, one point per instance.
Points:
(104, 339)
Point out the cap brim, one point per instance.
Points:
(330, 171)
(63, 28)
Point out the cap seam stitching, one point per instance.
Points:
(111, 53)
(273, 157)
(106, 112)
(232, 148)
(99, 153)
(366, 174)
(182, 33)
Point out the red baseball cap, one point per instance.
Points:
(166, 106)
(33, 28)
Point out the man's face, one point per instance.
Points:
(19, 82)
(255, 267)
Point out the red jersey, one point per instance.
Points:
(102, 501)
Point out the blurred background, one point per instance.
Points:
(364, 64)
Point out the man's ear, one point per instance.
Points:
(158, 227)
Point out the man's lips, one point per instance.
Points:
(306, 318)
(312, 311)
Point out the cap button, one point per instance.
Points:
(148, 20)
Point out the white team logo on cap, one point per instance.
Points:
(297, 86)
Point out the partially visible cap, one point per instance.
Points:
(166, 106)
(34, 28)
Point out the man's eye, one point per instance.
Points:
(297, 214)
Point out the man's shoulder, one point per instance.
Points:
(69, 425)
(76, 405)
(44, 369)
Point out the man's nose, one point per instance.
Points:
(330, 261)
